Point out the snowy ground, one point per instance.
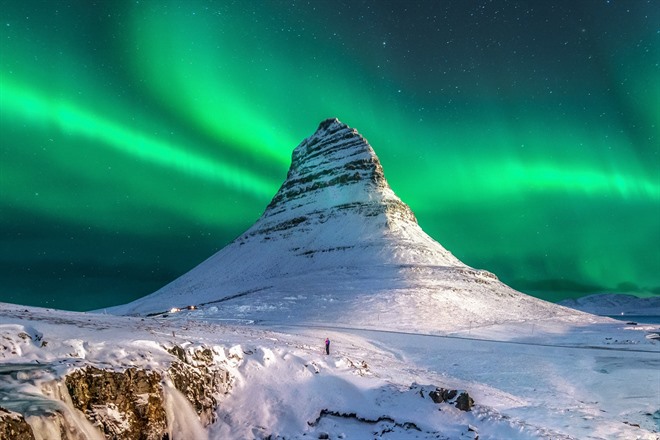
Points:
(530, 380)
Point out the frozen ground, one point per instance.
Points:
(530, 380)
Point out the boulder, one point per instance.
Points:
(460, 399)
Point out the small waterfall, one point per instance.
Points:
(56, 413)
(46, 405)
(44, 402)
(182, 420)
(45, 426)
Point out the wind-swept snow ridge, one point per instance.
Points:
(336, 244)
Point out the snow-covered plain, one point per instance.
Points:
(529, 380)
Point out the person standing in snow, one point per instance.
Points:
(327, 346)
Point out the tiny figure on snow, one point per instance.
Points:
(327, 346)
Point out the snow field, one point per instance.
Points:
(595, 381)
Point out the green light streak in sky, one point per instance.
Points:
(76, 121)
(594, 183)
(199, 77)
(194, 65)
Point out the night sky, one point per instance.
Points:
(138, 138)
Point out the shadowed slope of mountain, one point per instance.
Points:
(336, 244)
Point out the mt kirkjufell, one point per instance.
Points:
(337, 245)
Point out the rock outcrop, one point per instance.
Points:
(13, 426)
(460, 399)
(199, 379)
(121, 403)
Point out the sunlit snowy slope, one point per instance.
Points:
(337, 245)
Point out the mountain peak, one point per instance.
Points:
(336, 168)
(324, 125)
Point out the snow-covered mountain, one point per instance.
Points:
(336, 244)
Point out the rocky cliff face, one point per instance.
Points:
(122, 403)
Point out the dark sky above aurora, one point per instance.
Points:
(138, 138)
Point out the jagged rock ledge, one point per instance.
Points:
(14, 426)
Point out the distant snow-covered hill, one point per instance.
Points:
(336, 244)
(615, 304)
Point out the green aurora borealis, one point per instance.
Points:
(138, 138)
